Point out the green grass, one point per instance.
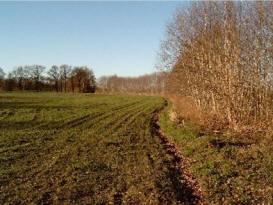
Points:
(230, 170)
(99, 149)
(81, 149)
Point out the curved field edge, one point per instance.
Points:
(228, 170)
(83, 149)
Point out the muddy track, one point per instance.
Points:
(187, 190)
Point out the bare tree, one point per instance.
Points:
(36, 72)
(54, 76)
(10, 83)
(219, 55)
(2, 77)
(65, 71)
(20, 75)
(84, 78)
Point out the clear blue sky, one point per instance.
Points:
(110, 37)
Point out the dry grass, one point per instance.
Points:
(184, 108)
(232, 167)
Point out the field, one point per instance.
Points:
(84, 149)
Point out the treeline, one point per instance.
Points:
(220, 57)
(62, 78)
(146, 84)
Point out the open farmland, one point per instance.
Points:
(84, 149)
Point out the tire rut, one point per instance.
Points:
(185, 187)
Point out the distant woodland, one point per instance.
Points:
(146, 84)
(62, 78)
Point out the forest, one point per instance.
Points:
(219, 58)
(153, 84)
(63, 78)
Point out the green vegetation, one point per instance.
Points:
(82, 149)
(101, 149)
(230, 170)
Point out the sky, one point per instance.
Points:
(120, 38)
